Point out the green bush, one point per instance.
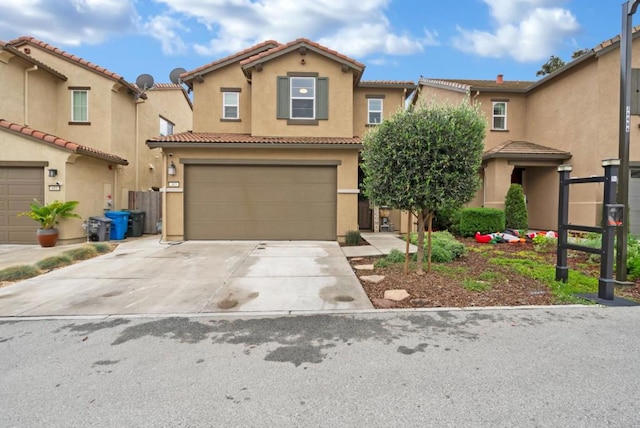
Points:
(542, 244)
(444, 247)
(54, 262)
(82, 253)
(395, 256)
(18, 273)
(515, 209)
(483, 220)
(633, 258)
(446, 220)
(352, 237)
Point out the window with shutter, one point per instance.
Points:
(302, 98)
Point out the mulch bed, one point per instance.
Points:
(443, 287)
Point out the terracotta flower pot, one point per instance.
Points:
(47, 237)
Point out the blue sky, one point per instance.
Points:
(396, 39)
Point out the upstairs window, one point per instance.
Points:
(303, 98)
(230, 105)
(374, 116)
(499, 119)
(166, 127)
(79, 105)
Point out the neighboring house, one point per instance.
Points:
(569, 117)
(72, 130)
(275, 145)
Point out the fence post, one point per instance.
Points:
(562, 270)
(606, 281)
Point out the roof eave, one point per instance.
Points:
(18, 53)
(194, 145)
(528, 156)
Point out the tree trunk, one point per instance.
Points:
(420, 254)
(429, 228)
(406, 250)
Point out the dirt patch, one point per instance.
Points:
(473, 280)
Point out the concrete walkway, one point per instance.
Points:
(379, 244)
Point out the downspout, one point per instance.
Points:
(165, 165)
(26, 93)
(137, 148)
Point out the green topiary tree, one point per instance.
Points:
(515, 209)
(425, 160)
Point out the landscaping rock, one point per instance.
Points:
(356, 259)
(396, 295)
(374, 279)
(384, 303)
(363, 267)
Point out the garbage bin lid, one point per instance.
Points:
(101, 218)
(116, 214)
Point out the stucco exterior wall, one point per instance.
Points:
(347, 180)
(393, 101)
(264, 120)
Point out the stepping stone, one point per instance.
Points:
(374, 279)
(363, 267)
(357, 259)
(384, 303)
(396, 295)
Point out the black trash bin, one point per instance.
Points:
(136, 223)
(98, 228)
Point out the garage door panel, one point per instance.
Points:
(18, 188)
(260, 202)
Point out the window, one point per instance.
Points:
(303, 98)
(230, 105)
(79, 105)
(499, 116)
(375, 111)
(166, 127)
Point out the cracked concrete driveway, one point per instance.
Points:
(146, 277)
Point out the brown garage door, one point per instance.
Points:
(18, 188)
(260, 202)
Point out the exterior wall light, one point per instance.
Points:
(53, 172)
(171, 169)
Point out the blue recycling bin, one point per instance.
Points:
(119, 224)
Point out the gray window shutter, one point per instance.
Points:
(322, 98)
(283, 98)
(635, 91)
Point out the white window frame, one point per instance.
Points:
(370, 110)
(225, 105)
(73, 105)
(169, 125)
(494, 116)
(292, 97)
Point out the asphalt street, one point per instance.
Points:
(571, 366)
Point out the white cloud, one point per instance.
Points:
(527, 30)
(68, 22)
(163, 28)
(355, 28)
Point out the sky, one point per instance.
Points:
(395, 39)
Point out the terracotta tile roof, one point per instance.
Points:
(21, 41)
(293, 45)
(218, 138)
(268, 44)
(613, 40)
(387, 83)
(525, 150)
(31, 60)
(470, 84)
(58, 142)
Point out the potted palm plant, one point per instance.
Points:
(49, 215)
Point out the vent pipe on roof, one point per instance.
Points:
(500, 79)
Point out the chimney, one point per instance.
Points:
(499, 79)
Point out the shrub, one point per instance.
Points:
(445, 219)
(352, 237)
(444, 247)
(54, 262)
(82, 253)
(18, 273)
(483, 220)
(542, 244)
(395, 256)
(515, 209)
(633, 258)
(101, 247)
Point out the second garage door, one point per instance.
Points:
(256, 202)
(18, 188)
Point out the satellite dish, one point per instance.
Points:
(174, 76)
(144, 81)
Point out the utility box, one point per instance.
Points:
(136, 223)
(99, 228)
(119, 224)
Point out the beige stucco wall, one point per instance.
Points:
(264, 121)
(347, 180)
(392, 102)
(207, 97)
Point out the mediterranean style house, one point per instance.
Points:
(568, 117)
(275, 144)
(72, 130)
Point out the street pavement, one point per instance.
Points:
(536, 367)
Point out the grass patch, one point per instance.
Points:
(101, 247)
(82, 253)
(450, 271)
(54, 262)
(18, 273)
(492, 277)
(473, 285)
(563, 292)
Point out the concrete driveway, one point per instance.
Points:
(146, 277)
